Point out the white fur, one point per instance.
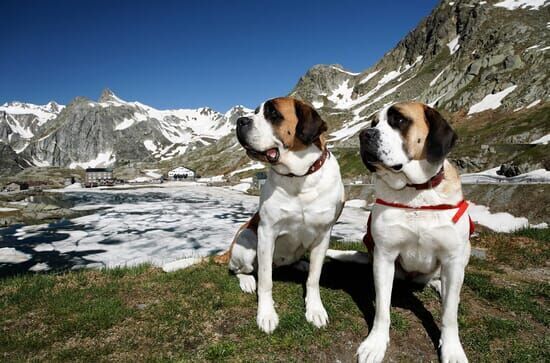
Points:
(391, 150)
(425, 241)
(296, 216)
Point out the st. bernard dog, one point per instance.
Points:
(299, 203)
(418, 228)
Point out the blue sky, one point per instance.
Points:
(172, 54)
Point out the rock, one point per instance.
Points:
(495, 59)
(509, 171)
(513, 62)
(474, 68)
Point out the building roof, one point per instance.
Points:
(99, 170)
(184, 167)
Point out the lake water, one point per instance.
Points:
(129, 227)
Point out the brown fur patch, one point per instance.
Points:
(286, 129)
(251, 224)
(451, 184)
(415, 140)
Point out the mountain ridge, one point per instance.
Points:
(482, 64)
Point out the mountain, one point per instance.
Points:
(110, 131)
(484, 64)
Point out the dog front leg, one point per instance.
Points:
(452, 276)
(267, 317)
(315, 311)
(374, 347)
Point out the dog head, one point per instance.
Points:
(280, 130)
(405, 132)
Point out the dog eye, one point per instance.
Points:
(257, 110)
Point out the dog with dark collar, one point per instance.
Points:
(299, 203)
(419, 229)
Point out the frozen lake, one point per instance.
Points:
(129, 227)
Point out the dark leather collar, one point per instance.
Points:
(313, 168)
(432, 183)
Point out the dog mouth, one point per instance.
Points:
(271, 155)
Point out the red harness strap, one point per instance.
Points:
(462, 207)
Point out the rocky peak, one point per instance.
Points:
(108, 96)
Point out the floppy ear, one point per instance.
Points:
(441, 137)
(310, 125)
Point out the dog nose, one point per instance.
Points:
(367, 133)
(244, 121)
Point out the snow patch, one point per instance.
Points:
(127, 122)
(491, 102)
(347, 132)
(434, 81)
(368, 77)
(521, 4)
(41, 266)
(499, 222)
(453, 45)
(11, 255)
(543, 140)
(344, 71)
(533, 104)
(150, 145)
(242, 187)
(103, 159)
(251, 166)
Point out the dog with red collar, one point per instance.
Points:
(418, 228)
(299, 204)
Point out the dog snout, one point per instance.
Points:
(369, 144)
(243, 126)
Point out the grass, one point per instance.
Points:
(200, 314)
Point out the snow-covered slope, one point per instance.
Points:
(89, 133)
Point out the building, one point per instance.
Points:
(259, 179)
(16, 187)
(98, 176)
(182, 173)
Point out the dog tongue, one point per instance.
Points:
(271, 154)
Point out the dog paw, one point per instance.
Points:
(453, 353)
(373, 348)
(247, 283)
(267, 320)
(317, 315)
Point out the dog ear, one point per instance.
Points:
(441, 136)
(310, 125)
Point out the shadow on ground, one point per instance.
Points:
(356, 280)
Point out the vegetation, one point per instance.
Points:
(200, 314)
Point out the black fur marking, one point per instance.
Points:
(398, 121)
(441, 137)
(310, 125)
(271, 113)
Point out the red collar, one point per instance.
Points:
(313, 168)
(462, 206)
(432, 183)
